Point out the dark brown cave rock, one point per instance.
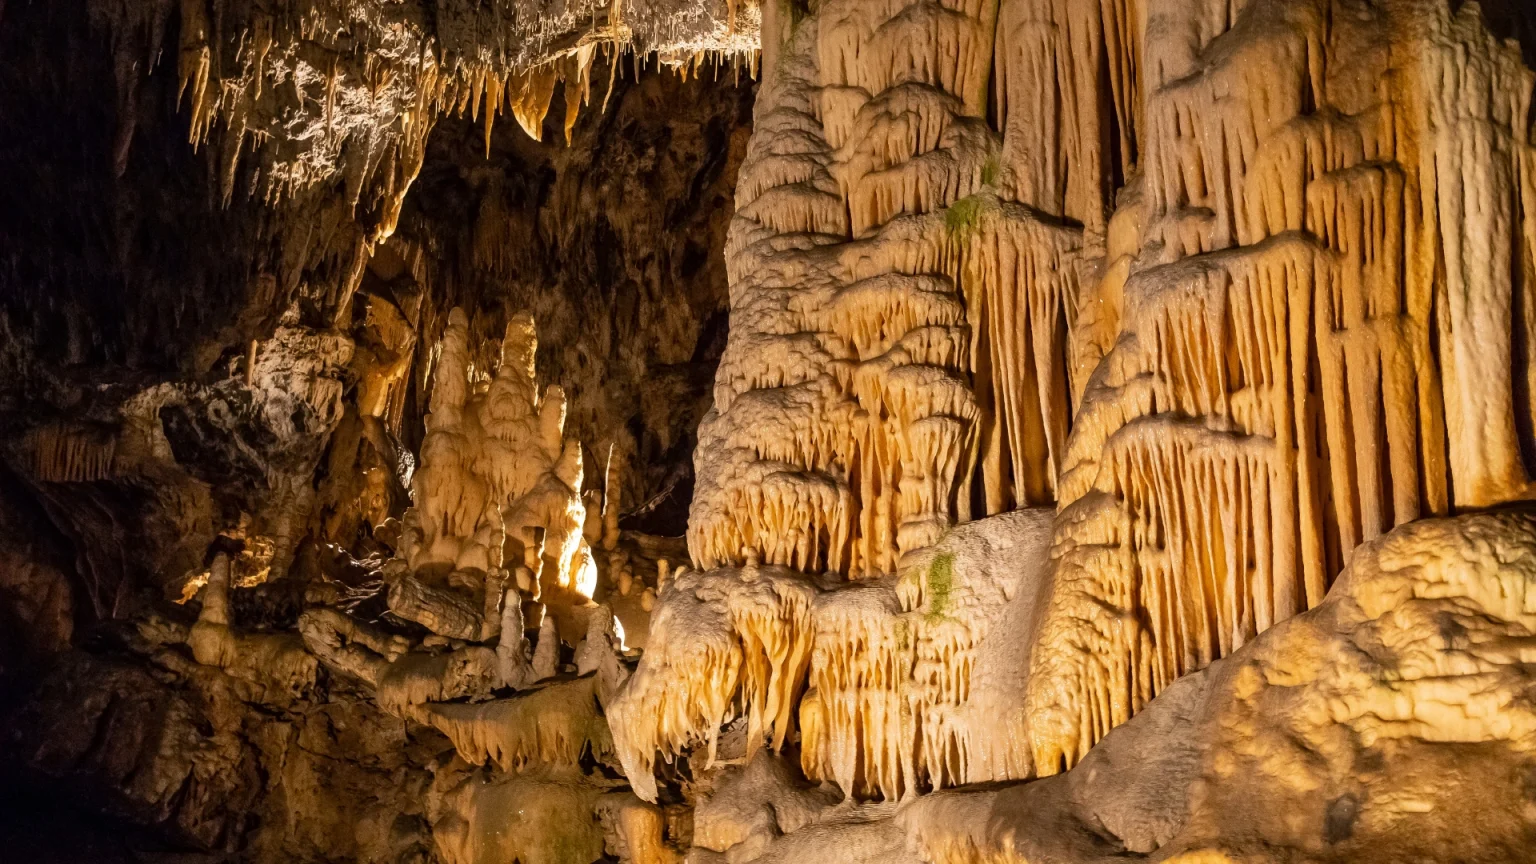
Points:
(184, 366)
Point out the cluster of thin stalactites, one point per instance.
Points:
(1287, 340)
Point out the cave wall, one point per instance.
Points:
(611, 243)
(168, 278)
(1058, 396)
(126, 270)
(200, 354)
(1227, 286)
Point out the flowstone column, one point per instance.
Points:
(898, 326)
(1319, 293)
(898, 363)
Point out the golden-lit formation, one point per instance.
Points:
(1291, 376)
(1121, 444)
(495, 533)
(897, 356)
(1230, 259)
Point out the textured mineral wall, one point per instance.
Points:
(1295, 328)
(1385, 725)
(204, 401)
(1309, 290)
(906, 681)
(1116, 450)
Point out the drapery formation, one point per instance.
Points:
(1237, 287)
(899, 319)
(1324, 335)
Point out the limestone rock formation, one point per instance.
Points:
(1092, 430)
(496, 478)
(1218, 253)
(214, 409)
(913, 681)
(275, 663)
(1351, 726)
(1268, 375)
(1302, 306)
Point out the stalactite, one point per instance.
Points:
(555, 724)
(380, 79)
(66, 454)
(195, 68)
(876, 372)
(724, 644)
(1267, 346)
(892, 699)
(1296, 327)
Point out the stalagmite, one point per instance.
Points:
(276, 663)
(496, 475)
(599, 651)
(546, 655)
(512, 655)
(639, 827)
(897, 363)
(613, 497)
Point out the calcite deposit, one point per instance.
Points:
(1043, 431)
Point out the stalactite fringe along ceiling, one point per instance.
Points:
(1121, 450)
(372, 76)
(331, 98)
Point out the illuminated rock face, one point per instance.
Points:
(898, 323)
(1282, 309)
(497, 529)
(1321, 335)
(894, 685)
(497, 476)
(1116, 454)
(1352, 732)
(496, 479)
(1200, 276)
